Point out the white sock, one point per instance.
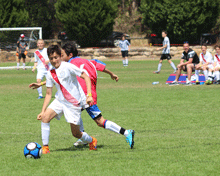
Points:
(206, 74)
(159, 66)
(210, 75)
(217, 75)
(112, 126)
(126, 62)
(86, 138)
(173, 66)
(18, 65)
(81, 125)
(123, 61)
(40, 91)
(23, 65)
(45, 132)
(197, 75)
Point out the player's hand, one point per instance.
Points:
(115, 77)
(33, 70)
(39, 117)
(158, 49)
(89, 100)
(179, 65)
(34, 85)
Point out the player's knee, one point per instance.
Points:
(100, 121)
(45, 118)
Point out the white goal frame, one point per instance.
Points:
(24, 28)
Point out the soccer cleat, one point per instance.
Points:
(174, 83)
(40, 97)
(79, 143)
(208, 82)
(93, 144)
(197, 82)
(188, 83)
(156, 72)
(218, 82)
(130, 138)
(45, 150)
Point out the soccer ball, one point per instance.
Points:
(33, 150)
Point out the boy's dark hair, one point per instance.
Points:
(217, 46)
(164, 31)
(123, 36)
(52, 49)
(204, 44)
(70, 48)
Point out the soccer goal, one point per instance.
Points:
(8, 43)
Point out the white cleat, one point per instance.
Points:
(79, 143)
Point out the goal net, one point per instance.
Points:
(8, 44)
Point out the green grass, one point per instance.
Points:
(177, 128)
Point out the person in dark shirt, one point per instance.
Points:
(22, 51)
(187, 63)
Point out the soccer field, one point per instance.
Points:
(177, 128)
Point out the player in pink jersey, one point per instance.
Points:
(69, 53)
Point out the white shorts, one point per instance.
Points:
(210, 66)
(41, 74)
(71, 113)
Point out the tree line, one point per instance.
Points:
(89, 21)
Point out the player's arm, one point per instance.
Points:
(36, 85)
(188, 62)
(46, 102)
(89, 99)
(161, 48)
(113, 76)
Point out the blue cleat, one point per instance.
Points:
(130, 138)
(40, 97)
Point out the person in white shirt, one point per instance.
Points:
(42, 64)
(205, 64)
(69, 98)
(124, 45)
(216, 63)
(165, 53)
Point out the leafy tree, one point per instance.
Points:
(13, 13)
(86, 21)
(184, 20)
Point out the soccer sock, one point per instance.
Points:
(45, 132)
(40, 91)
(210, 75)
(197, 75)
(23, 65)
(206, 74)
(159, 66)
(126, 62)
(86, 138)
(81, 125)
(18, 65)
(109, 125)
(123, 61)
(217, 75)
(173, 66)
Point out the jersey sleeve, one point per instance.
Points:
(120, 44)
(99, 65)
(35, 57)
(127, 42)
(183, 56)
(49, 80)
(74, 70)
(166, 41)
(191, 54)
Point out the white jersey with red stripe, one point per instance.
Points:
(217, 59)
(66, 74)
(206, 58)
(40, 65)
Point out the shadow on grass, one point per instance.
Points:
(80, 148)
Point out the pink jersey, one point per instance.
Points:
(90, 68)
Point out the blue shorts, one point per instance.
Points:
(94, 112)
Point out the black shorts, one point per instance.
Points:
(185, 69)
(124, 53)
(165, 56)
(22, 55)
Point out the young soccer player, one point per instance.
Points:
(124, 45)
(165, 53)
(205, 64)
(216, 63)
(69, 98)
(21, 51)
(42, 64)
(69, 54)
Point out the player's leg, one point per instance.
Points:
(190, 68)
(171, 63)
(178, 73)
(197, 68)
(217, 68)
(18, 63)
(45, 128)
(40, 76)
(160, 64)
(24, 57)
(123, 58)
(205, 71)
(126, 58)
(39, 90)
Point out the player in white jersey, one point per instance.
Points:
(205, 64)
(165, 53)
(124, 46)
(69, 98)
(216, 63)
(42, 64)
